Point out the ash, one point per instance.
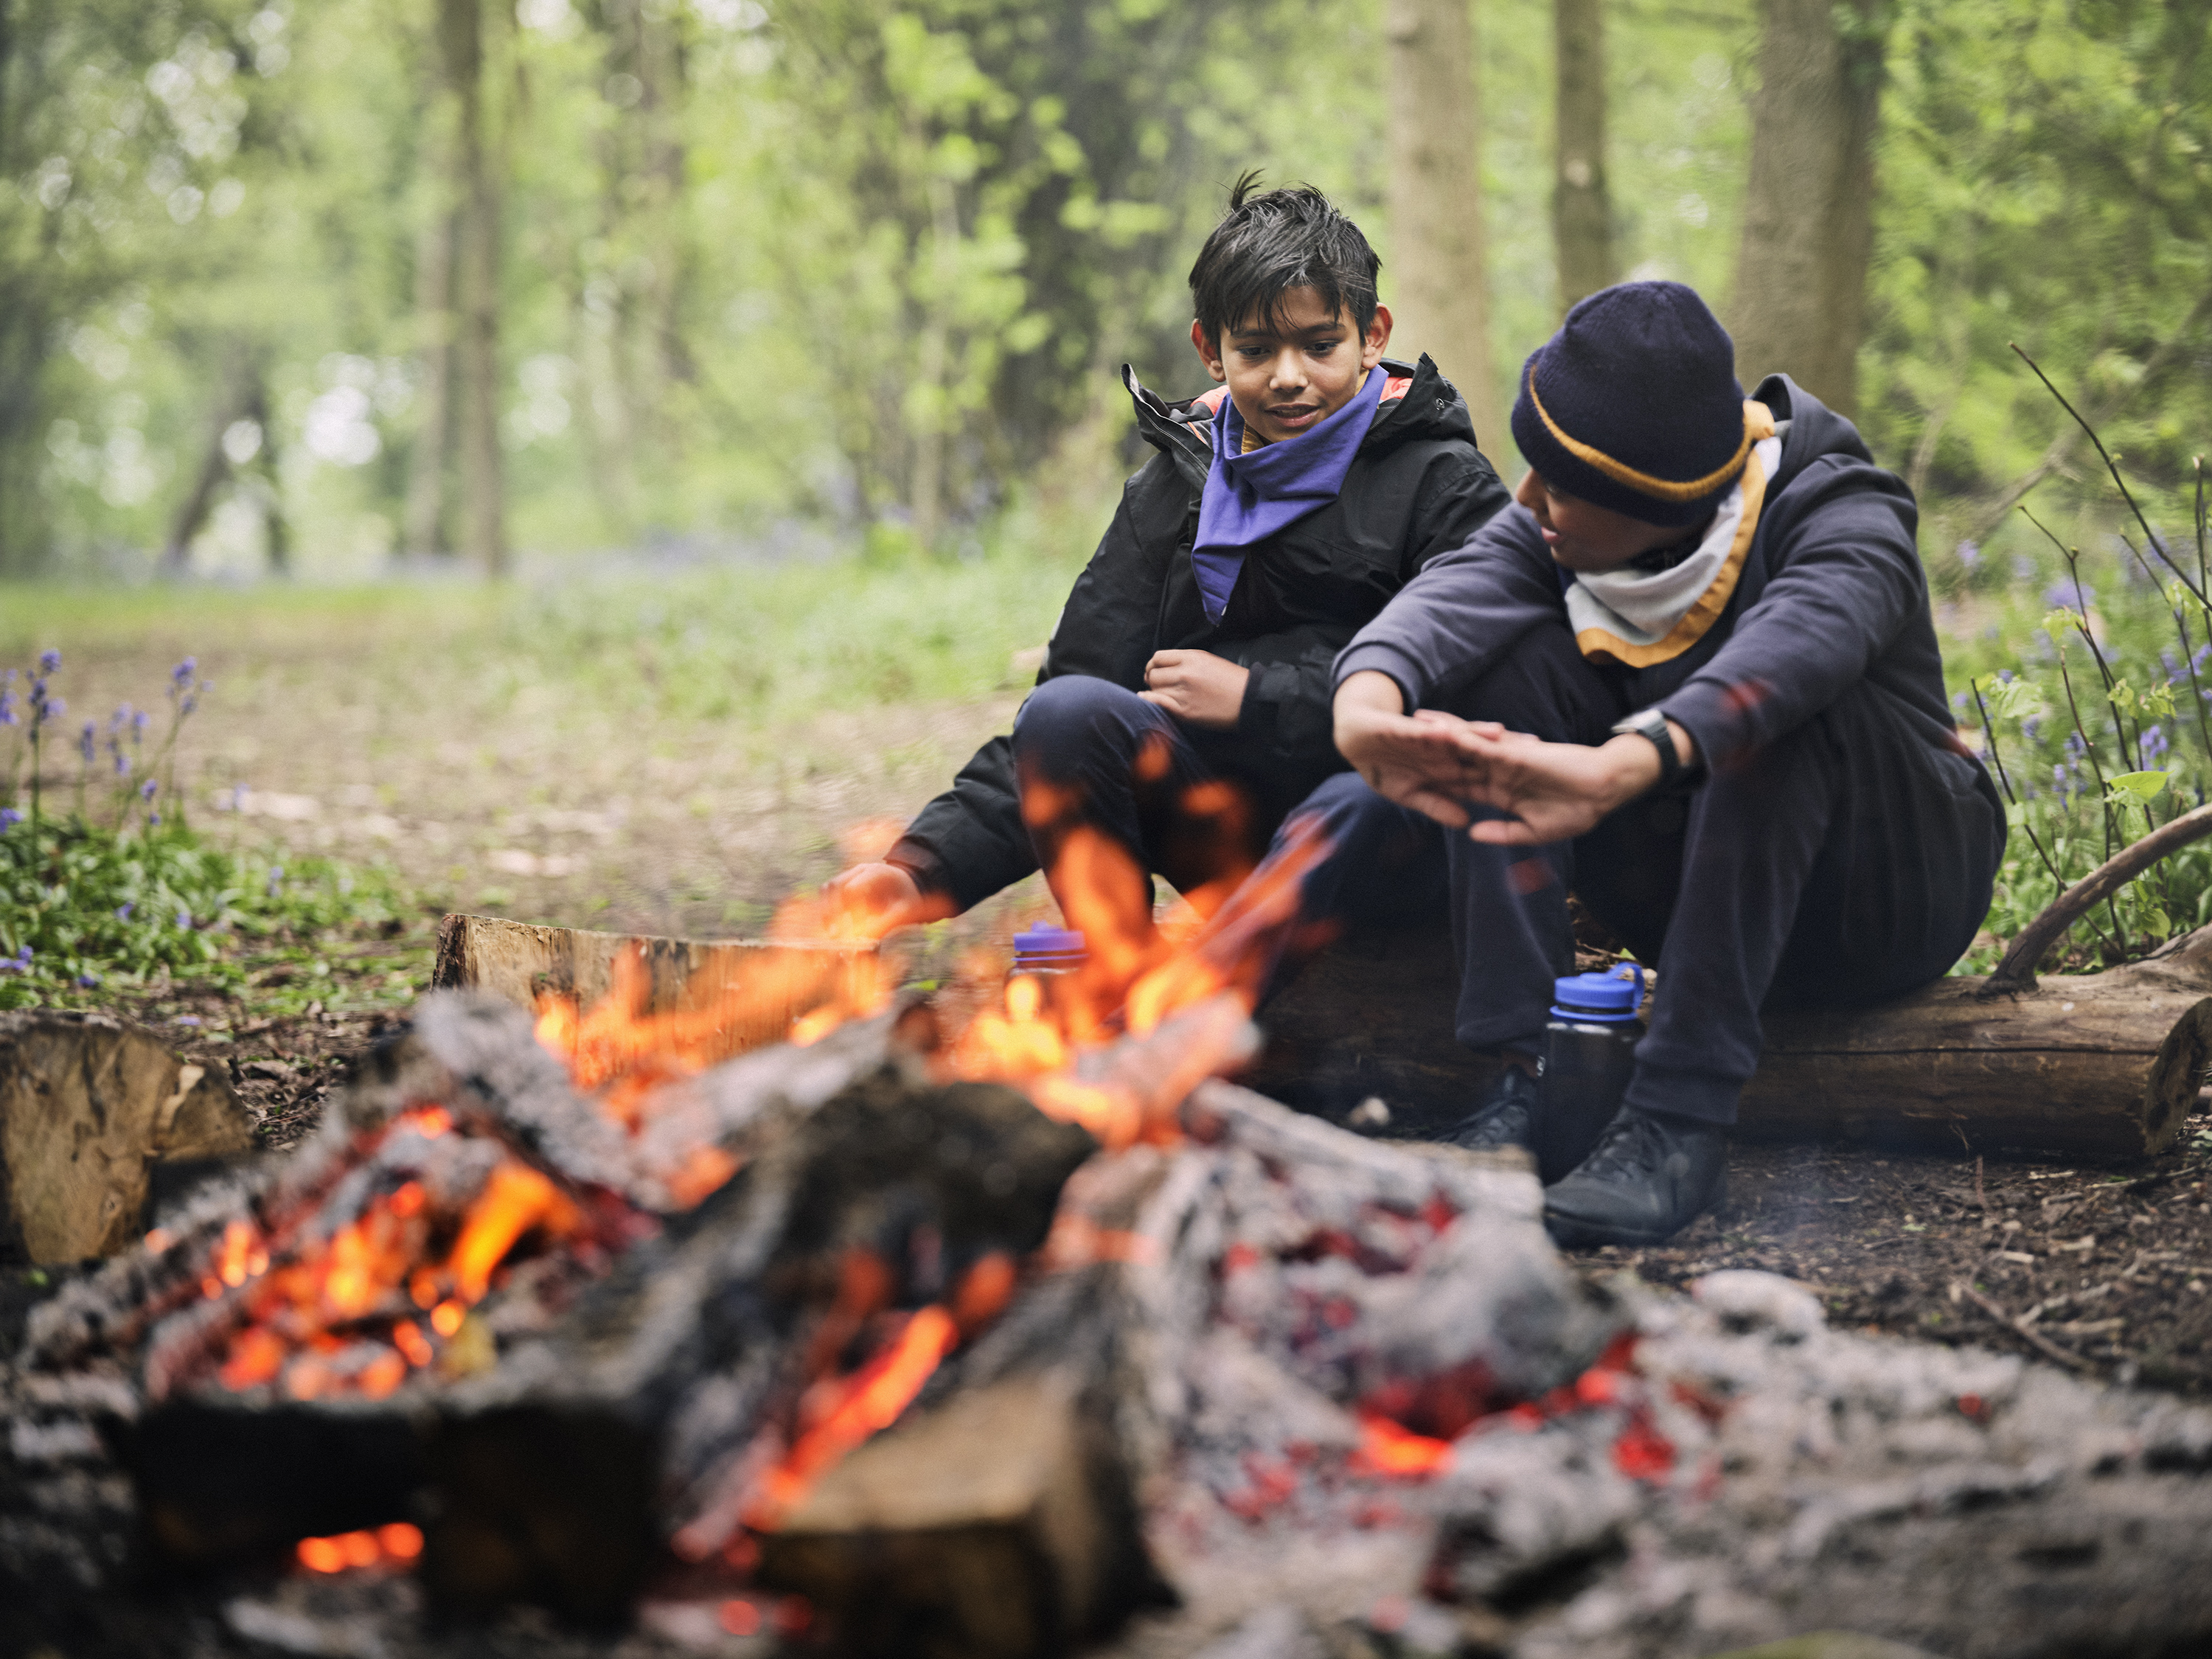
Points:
(1366, 1409)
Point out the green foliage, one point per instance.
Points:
(83, 906)
(2046, 179)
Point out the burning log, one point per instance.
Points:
(90, 1109)
(715, 999)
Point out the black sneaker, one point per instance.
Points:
(1647, 1177)
(1506, 1117)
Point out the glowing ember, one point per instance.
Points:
(1386, 1448)
(398, 1544)
(341, 1315)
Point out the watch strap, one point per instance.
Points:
(1650, 724)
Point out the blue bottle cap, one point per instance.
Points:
(1042, 941)
(1607, 996)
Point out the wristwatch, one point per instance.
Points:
(1650, 723)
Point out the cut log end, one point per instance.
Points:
(89, 1108)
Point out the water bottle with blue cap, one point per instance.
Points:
(1589, 1047)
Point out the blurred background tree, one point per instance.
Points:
(330, 288)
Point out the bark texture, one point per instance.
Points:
(1442, 304)
(476, 192)
(88, 1106)
(1808, 213)
(1582, 206)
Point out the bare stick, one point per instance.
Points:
(2016, 971)
(2112, 467)
(2027, 1333)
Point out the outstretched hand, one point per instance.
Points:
(1438, 764)
(869, 900)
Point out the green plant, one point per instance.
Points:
(129, 891)
(2087, 704)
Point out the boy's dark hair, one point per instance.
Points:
(1271, 243)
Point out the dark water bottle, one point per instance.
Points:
(1590, 1046)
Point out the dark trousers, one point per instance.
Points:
(1091, 753)
(1848, 862)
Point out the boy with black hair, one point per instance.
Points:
(1694, 674)
(1280, 513)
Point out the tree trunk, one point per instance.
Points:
(483, 513)
(1443, 305)
(1809, 214)
(1582, 207)
(424, 530)
(239, 391)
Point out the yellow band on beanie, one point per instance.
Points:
(1758, 423)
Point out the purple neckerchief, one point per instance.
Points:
(1249, 497)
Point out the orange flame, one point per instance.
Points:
(844, 1412)
(626, 1052)
(339, 1315)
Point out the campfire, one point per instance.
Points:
(808, 1311)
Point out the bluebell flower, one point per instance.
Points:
(9, 817)
(122, 764)
(2173, 668)
(153, 820)
(1969, 554)
(187, 1019)
(56, 709)
(184, 919)
(6, 708)
(2032, 727)
(2071, 591)
(183, 673)
(23, 955)
(123, 911)
(2153, 745)
(138, 722)
(88, 742)
(49, 661)
(1958, 701)
(2005, 676)
(88, 979)
(146, 789)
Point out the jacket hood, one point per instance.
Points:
(1809, 428)
(1418, 402)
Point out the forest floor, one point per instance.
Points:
(398, 730)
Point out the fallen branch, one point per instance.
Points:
(2015, 972)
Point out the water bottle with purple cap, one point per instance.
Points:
(1589, 1047)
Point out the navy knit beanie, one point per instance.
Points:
(1634, 405)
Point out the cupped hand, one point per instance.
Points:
(1415, 760)
(1196, 686)
(1552, 791)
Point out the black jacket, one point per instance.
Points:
(1417, 487)
(1831, 594)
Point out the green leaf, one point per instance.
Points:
(2135, 788)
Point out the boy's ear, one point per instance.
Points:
(1377, 340)
(1209, 351)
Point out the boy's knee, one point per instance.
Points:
(1065, 717)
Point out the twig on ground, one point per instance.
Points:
(2043, 1345)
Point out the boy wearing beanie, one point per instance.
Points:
(1692, 675)
(1184, 703)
